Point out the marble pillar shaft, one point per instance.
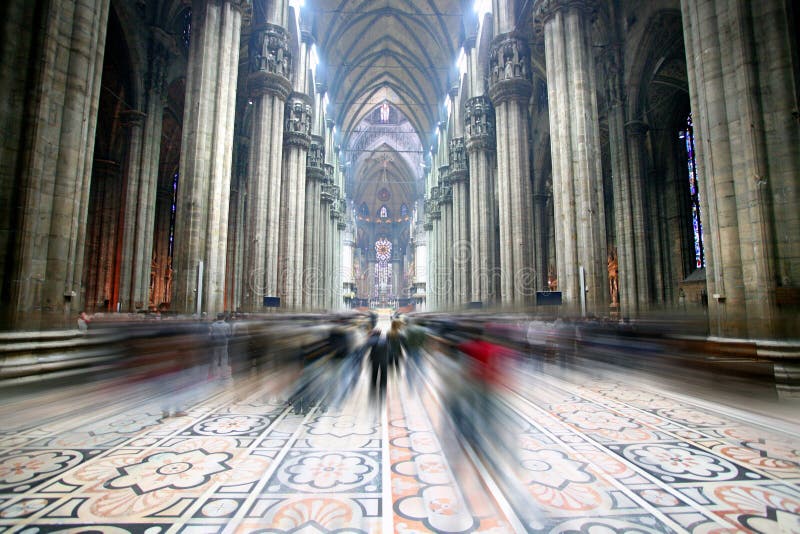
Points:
(142, 182)
(293, 220)
(577, 172)
(56, 177)
(626, 254)
(642, 231)
(201, 225)
(461, 243)
(482, 203)
(312, 227)
(132, 121)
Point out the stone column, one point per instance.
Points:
(315, 270)
(434, 270)
(54, 175)
(201, 227)
(268, 87)
(462, 249)
(296, 141)
(480, 143)
(510, 90)
(577, 172)
(336, 260)
(132, 121)
(623, 206)
(237, 217)
(446, 236)
(642, 231)
(142, 177)
(102, 233)
(747, 160)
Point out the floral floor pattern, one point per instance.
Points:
(592, 454)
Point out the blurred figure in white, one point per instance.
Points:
(220, 331)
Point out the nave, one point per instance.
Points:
(566, 447)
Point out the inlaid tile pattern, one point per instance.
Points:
(593, 454)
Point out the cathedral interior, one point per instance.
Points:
(328, 266)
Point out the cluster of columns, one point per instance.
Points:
(291, 246)
(46, 179)
(575, 141)
(747, 156)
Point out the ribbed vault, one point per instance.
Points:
(375, 50)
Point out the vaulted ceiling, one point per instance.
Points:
(405, 47)
(401, 52)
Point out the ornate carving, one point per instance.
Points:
(432, 204)
(458, 160)
(132, 118)
(330, 193)
(545, 9)
(315, 159)
(446, 194)
(479, 123)
(297, 122)
(509, 62)
(328, 170)
(270, 62)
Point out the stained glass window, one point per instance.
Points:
(687, 136)
(384, 213)
(403, 211)
(187, 28)
(172, 213)
(383, 272)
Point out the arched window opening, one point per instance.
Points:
(383, 213)
(687, 136)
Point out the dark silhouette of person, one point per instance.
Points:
(379, 359)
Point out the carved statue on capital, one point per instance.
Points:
(297, 122)
(458, 159)
(270, 61)
(479, 123)
(509, 73)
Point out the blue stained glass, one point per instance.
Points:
(687, 136)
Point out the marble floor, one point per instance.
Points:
(567, 450)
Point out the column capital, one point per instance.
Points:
(453, 92)
(469, 42)
(132, 118)
(636, 128)
(244, 7)
(509, 69)
(479, 123)
(315, 159)
(270, 61)
(458, 160)
(307, 37)
(546, 9)
(297, 121)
